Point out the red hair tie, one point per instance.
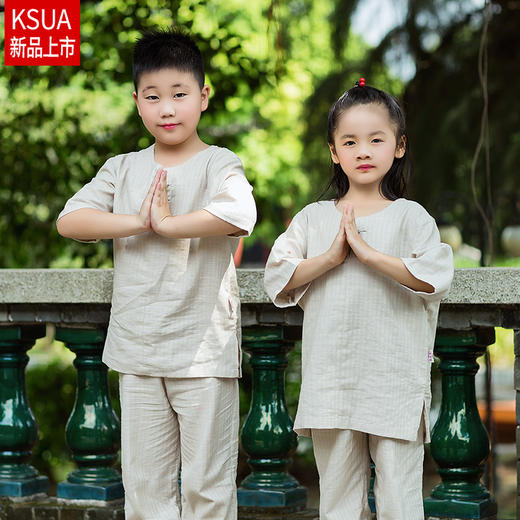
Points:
(361, 82)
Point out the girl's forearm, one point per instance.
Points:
(197, 224)
(310, 269)
(91, 224)
(394, 268)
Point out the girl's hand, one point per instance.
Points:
(144, 213)
(339, 249)
(360, 248)
(160, 208)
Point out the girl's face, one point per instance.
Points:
(365, 145)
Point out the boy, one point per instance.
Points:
(174, 333)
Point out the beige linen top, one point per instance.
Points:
(367, 340)
(175, 304)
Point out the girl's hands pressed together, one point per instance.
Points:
(359, 247)
(339, 249)
(160, 206)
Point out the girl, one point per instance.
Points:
(369, 271)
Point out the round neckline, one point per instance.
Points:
(152, 149)
(376, 213)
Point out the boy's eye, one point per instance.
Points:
(179, 95)
(152, 97)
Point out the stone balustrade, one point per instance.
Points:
(77, 302)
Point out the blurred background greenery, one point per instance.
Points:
(275, 67)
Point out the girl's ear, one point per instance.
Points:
(333, 154)
(400, 149)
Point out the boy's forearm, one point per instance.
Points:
(90, 224)
(197, 224)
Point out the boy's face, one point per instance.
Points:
(170, 102)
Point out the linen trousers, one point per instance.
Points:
(186, 423)
(343, 462)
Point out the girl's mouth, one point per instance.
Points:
(169, 126)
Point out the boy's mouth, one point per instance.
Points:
(170, 126)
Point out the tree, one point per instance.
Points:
(59, 124)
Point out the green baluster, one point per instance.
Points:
(93, 432)
(267, 435)
(371, 497)
(460, 443)
(18, 428)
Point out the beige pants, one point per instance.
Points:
(343, 461)
(166, 422)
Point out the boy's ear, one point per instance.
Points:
(204, 97)
(134, 95)
(400, 148)
(333, 154)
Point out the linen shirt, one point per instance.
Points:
(367, 340)
(175, 304)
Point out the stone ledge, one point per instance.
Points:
(52, 509)
(483, 286)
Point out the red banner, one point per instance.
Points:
(42, 32)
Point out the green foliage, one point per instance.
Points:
(502, 352)
(444, 102)
(274, 68)
(59, 124)
(51, 390)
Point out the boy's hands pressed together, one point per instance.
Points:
(160, 206)
(144, 214)
(195, 224)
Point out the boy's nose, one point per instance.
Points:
(167, 109)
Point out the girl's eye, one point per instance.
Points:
(377, 140)
(152, 97)
(349, 143)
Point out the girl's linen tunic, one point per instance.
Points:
(367, 340)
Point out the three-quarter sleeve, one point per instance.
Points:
(232, 199)
(430, 260)
(289, 249)
(96, 194)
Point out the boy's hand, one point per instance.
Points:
(160, 208)
(339, 249)
(144, 213)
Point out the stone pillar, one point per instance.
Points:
(460, 443)
(267, 435)
(18, 427)
(93, 432)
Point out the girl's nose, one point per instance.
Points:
(363, 153)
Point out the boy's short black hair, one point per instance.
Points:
(169, 48)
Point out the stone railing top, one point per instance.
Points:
(487, 286)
